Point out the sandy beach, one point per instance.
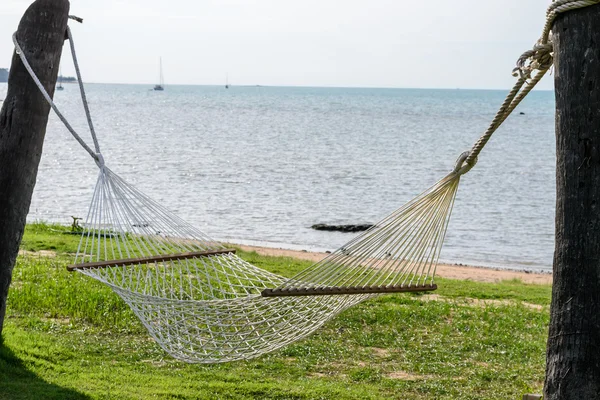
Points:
(452, 271)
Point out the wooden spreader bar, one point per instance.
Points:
(321, 291)
(142, 260)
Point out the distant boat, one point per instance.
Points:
(226, 81)
(60, 79)
(161, 84)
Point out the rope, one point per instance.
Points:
(96, 155)
(559, 7)
(82, 91)
(539, 59)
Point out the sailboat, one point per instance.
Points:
(227, 81)
(60, 79)
(161, 84)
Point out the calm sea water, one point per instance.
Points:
(262, 164)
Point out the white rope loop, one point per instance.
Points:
(99, 160)
(94, 154)
(559, 7)
(42, 89)
(461, 167)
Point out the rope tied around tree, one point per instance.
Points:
(531, 66)
(538, 58)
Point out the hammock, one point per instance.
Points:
(204, 304)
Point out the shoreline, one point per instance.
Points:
(444, 270)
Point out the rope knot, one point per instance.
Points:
(99, 160)
(463, 164)
(538, 58)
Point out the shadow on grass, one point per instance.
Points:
(18, 383)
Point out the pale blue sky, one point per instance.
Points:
(374, 43)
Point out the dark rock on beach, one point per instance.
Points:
(342, 228)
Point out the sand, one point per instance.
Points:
(452, 271)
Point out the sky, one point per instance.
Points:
(469, 44)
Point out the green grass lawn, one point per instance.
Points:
(69, 337)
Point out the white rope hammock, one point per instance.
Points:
(204, 304)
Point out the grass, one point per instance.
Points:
(69, 337)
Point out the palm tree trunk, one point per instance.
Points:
(573, 362)
(23, 120)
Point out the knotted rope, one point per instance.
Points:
(531, 66)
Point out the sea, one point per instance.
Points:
(260, 165)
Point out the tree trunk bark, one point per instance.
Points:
(23, 120)
(573, 352)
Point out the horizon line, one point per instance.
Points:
(306, 86)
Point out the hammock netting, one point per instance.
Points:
(202, 303)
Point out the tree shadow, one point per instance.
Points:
(19, 383)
